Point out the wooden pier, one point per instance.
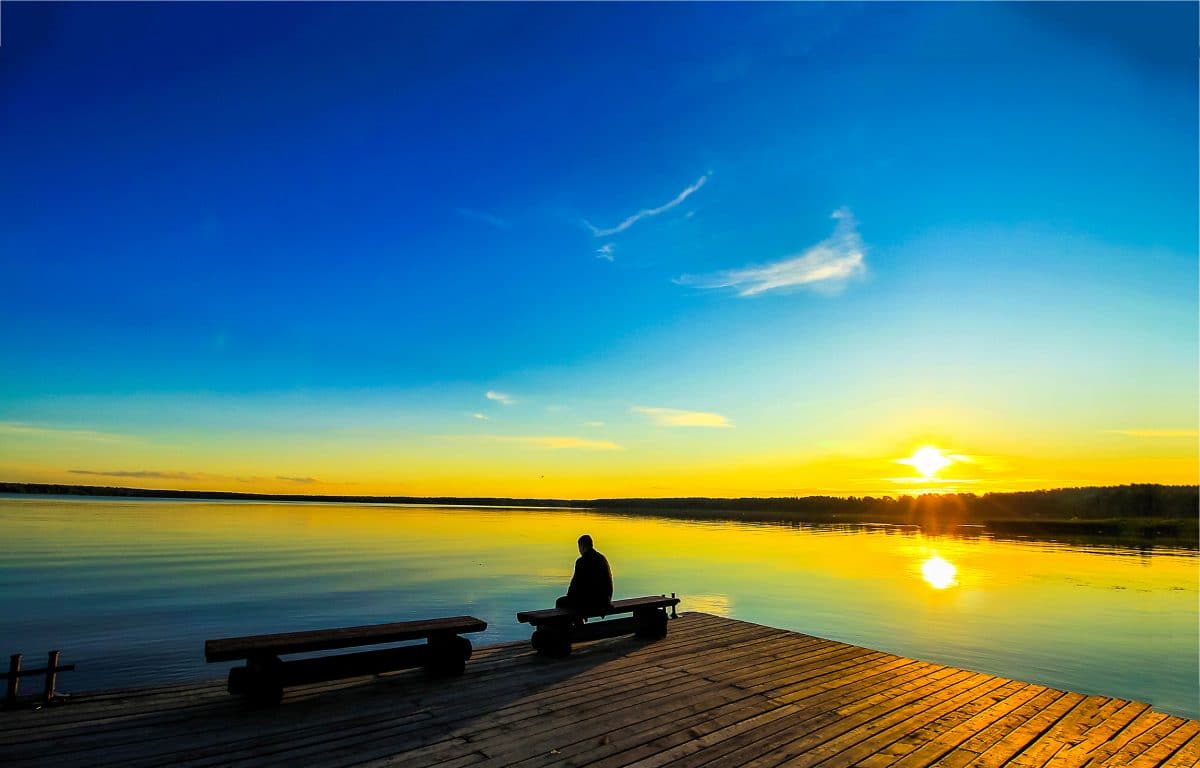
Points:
(716, 692)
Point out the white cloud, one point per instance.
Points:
(20, 429)
(480, 416)
(1155, 432)
(486, 218)
(635, 218)
(500, 397)
(605, 252)
(555, 442)
(593, 423)
(673, 417)
(825, 266)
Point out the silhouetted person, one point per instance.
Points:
(591, 587)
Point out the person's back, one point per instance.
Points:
(591, 587)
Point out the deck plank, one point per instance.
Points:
(1187, 756)
(846, 728)
(824, 710)
(715, 692)
(1158, 754)
(1079, 751)
(925, 746)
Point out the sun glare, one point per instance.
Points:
(928, 461)
(939, 573)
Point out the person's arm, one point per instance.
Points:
(573, 590)
(608, 584)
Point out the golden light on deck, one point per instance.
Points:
(939, 572)
(927, 460)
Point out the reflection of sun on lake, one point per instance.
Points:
(939, 573)
(83, 574)
(714, 604)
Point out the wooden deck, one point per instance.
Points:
(715, 692)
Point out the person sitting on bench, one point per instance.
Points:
(591, 587)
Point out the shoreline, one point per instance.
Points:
(1130, 515)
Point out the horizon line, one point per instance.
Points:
(519, 500)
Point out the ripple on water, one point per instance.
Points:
(130, 591)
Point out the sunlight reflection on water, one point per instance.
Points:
(130, 589)
(939, 573)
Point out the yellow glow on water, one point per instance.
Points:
(264, 567)
(939, 572)
(188, 569)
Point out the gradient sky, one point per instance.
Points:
(598, 250)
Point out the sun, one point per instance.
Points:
(928, 461)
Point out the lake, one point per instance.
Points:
(130, 589)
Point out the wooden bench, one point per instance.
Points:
(555, 629)
(265, 676)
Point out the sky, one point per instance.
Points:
(598, 250)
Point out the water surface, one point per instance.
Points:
(130, 589)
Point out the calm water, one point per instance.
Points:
(130, 589)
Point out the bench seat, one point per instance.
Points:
(263, 678)
(233, 648)
(556, 629)
(629, 605)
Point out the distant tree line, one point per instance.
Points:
(1122, 502)
(1137, 510)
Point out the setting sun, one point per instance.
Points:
(927, 460)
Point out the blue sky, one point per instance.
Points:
(357, 214)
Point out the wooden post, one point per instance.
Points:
(14, 672)
(673, 615)
(51, 674)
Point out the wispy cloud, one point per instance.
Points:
(480, 416)
(145, 473)
(673, 417)
(593, 423)
(302, 480)
(645, 212)
(1155, 432)
(605, 252)
(151, 474)
(542, 441)
(500, 397)
(20, 429)
(486, 218)
(943, 485)
(557, 441)
(825, 266)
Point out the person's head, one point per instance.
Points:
(585, 543)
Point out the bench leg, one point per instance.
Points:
(260, 682)
(447, 655)
(552, 640)
(651, 624)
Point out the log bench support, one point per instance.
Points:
(555, 630)
(262, 680)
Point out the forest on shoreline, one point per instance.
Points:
(1138, 512)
